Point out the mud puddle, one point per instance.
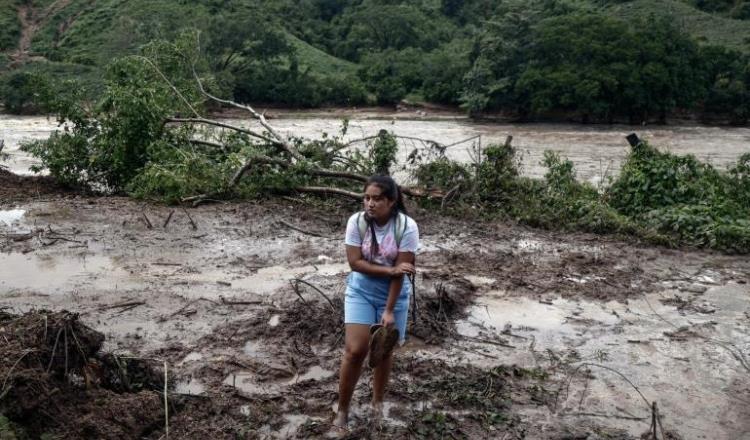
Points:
(52, 274)
(11, 217)
(268, 280)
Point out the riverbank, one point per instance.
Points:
(426, 111)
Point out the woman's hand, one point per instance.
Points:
(388, 319)
(402, 269)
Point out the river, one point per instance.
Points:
(596, 150)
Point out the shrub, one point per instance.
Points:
(444, 174)
(650, 179)
(498, 172)
(383, 153)
(24, 92)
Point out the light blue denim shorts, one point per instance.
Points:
(365, 298)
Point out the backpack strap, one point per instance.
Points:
(361, 225)
(401, 222)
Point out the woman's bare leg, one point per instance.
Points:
(356, 344)
(380, 377)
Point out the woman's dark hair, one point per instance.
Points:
(391, 191)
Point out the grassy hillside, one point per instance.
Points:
(10, 27)
(92, 33)
(86, 32)
(319, 61)
(717, 29)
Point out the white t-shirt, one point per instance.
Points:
(385, 235)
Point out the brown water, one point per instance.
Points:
(596, 150)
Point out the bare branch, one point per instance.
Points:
(259, 116)
(328, 191)
(409, 138)
(299, 280)
(200, 120)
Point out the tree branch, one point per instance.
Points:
(200, 120)
(328, 191)
(208, 143)
(408, 138)
(341, 174)
(259, 116)
(255, 160)
(172, 86)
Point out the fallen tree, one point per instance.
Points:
(149, 136)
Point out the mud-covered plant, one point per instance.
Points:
(434, 424)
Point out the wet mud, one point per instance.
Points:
(520, 334)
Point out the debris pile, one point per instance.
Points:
(55, 381)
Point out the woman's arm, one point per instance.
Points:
(358, 264)
(404, 258)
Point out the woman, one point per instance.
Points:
(380, 246)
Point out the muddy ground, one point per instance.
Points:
(521, 334)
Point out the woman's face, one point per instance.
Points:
(377, 205)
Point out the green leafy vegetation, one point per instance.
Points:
(108, 144)
(21, 91)
(10, 27)
(7, 432)
(660, 197)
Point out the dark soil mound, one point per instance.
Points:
(440, 306)
(15, 188)
(56, 382)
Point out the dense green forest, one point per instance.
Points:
(586, 60)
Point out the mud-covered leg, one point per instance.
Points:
(380, 377)
(356, 343)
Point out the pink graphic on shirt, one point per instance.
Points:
(387, 249)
